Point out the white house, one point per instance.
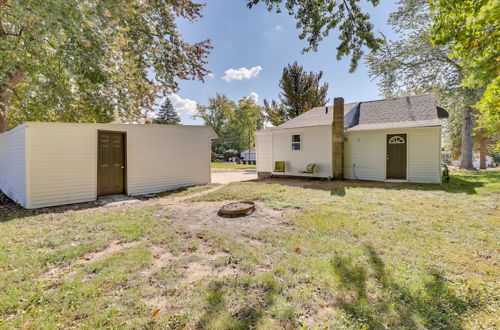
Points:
(47, 164)
(248, 154)
(395, 139)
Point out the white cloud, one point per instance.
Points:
(210, 75)
(254, 96)
(242, 73)
(183, 106)
(273, 32)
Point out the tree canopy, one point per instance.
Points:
(234, 123)
(317, 18)
(471, 28)
(413, 65)
(167, 114)
(300, 91)
(92, 61)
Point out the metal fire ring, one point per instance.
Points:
(237, 208)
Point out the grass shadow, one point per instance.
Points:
(247, 317)
(10, 210)
(394, 305)
(460, 182)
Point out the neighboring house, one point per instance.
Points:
(248, 154)
(394, 139)
(47, 164)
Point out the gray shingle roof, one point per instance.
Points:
(412, 111)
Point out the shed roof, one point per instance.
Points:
(410, 111)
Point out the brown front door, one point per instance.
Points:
(111, 163)
(396, 156)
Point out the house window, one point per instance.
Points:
(296, 139)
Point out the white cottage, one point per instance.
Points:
(47, 164)
(386, 140)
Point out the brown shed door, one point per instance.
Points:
(111, 164)
(396, 156)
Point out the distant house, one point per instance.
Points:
(47, 164)
(248, 154)
(394, 139)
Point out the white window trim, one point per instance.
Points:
(300, 143)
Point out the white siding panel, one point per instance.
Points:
(13, 164)
(63, 164)
(264, 146)
(63, 160)
(424, 155)
(365, 157)
(316, 148)
(365, 154)
(161, 159)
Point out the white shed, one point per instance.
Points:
(48, 164)
(384, 140)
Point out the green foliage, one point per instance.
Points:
(301, 91)
(167, 114)
(235, 124)
(91, 61)
(413, 65)
(471, 28)
(317, 18)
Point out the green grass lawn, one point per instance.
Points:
(362, 257)
(228, 167)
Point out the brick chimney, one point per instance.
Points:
(338, 139)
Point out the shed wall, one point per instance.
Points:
(13, 164)
(63, 160)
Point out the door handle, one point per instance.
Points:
(123, 166)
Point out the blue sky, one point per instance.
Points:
(262, 43)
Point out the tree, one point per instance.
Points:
(90, 61)
(217, 113)
(246, 119)
(471, 28)
(235, 124)
(167, 114)
(317, 18)
(413, 65)
(301, 91)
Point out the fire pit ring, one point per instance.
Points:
(237, 209)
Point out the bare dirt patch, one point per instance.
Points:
(203, 216)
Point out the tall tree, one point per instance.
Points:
(471, 28)
(167, 114)
(317, 18)
(413, 65)
(216, 113)
(90, 61)
(300, 92)
(244, 122)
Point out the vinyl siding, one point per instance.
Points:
(63, 160)
(316, 146)
(13, 164)
(365, 154)
(264, 146)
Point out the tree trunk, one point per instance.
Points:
(467, 141)
(483, 142)
(6, 95)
